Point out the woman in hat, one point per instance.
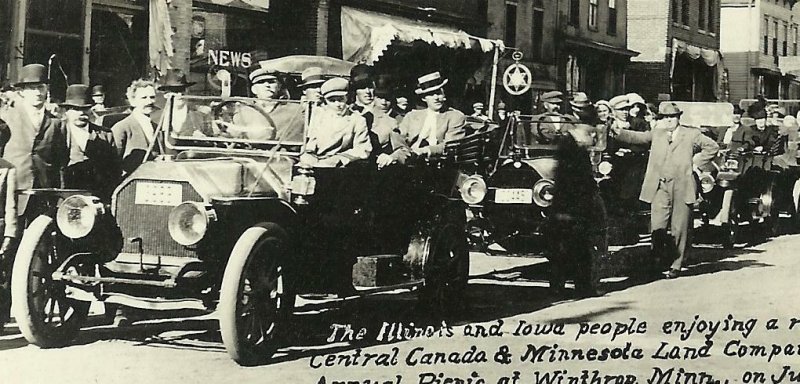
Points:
(426, 130)
(336, 135)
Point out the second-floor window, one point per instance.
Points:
(685, 12)
(794, 40)
(574, 12)
(511, 24)
(612, 17)
(775, 38)
(701, 15)
(785, 47)
(592, 14)
(537, 30)
(711, 15)
(675, 11)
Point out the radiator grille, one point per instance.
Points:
(150, 222)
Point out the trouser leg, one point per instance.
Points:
(681, 218)
(660, 212)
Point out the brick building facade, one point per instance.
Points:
(679, 45)
(760, 42)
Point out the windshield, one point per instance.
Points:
(234, 123)
(535, 132)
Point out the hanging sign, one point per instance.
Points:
(517, 78)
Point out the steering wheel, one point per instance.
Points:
(219, 110)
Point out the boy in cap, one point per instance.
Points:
(425, 131)
(477, 112)
(669, 184)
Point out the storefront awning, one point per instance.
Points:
(600, 46)
(250, 5)
(711, 57)
(365, 35)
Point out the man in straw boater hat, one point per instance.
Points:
(669, 184)
(93, 163)
(426, 130)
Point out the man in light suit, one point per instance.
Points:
(669, 184)
(427, 130)
(135, 134)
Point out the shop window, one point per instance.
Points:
(537, 30)
(230, 39)
(511, 24)
(612, 17)
(574, 12)
(592, 14)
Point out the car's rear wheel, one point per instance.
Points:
(446, 270)
(44, 313)
(255, 303)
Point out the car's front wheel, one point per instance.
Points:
(446, 269)
(44, 313)
(255, 303)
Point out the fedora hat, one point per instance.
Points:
(758, 114)
(311, 76)
(32, 74)
(77, 96)
(668, 109)
(336, 86)
(98, 90)
(430, 83)
(175, 79)
(553, 97)
(361, 76)
(580, 100)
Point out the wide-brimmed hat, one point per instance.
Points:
(312, 76)
(619, 102)
(336, 86)
(261, 75)
(361, 76)
(32, 74)
(430, 83)
(554, 97)
(580, 100)
(634, 98)
(758, 114)
(77, 97)
(667, 109)
(174, 80)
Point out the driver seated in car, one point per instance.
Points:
(269, 117)
(336, 134)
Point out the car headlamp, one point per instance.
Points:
(604, 168)
(77, 215)
(707, 182)
(189, 221)
(473, 189)
(543, 192)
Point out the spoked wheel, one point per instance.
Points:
(45, 315)
(446, 269)
(730, 229)
(255, 303)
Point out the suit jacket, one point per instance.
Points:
(131, 143)
(449, 126)
(100, 171)
(386, 138)
(344, 136)
(39, 154)
(673, 159)
(753, 137)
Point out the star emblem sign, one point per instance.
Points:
(517, 79)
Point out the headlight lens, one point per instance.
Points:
(605, 168)
(473, 190)
(543, 192)
(188, 222)
(77, 215)
(707, 182)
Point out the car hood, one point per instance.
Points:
(226, 177)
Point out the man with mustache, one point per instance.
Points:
(92, 155)
(134, 134)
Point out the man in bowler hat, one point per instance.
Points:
(669, 184)
(93, 162)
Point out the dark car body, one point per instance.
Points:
(227, 222)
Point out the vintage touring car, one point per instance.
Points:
(229, 219)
